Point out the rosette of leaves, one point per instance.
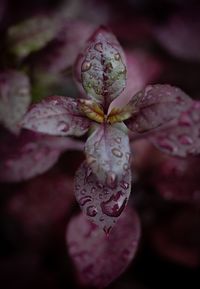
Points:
(103, 181)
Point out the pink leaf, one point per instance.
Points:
(180, 35)
(62, 52)
(14, 98)
(108, 153)
(155, 106)
(26, 156)
(101, 67)
(178, 179)
(56, 115)
(141, 69)
(98, 259)
(182, 138)
(42, 202)
(102, 203)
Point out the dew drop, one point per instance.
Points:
(115, 205)
(116, 152)
(92, 211)
(118, 140)
(98, 47)
(117, 56)
(126, 167)
(85, 66)
(111, 180)
(185, 140)
(63, 126)
(185, 120)
(124, 185)
(163, 143)
(84, 200)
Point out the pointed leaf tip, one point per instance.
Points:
(98, 259)
(156, 105)
(56, 115)
(101, 68)
(102, 203)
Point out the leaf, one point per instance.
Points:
(56, 115)
(26, 156)
(178, 179)
(14, 98)
(98, 259)
(108, 153)
(32, 34)
(62, 51)
(41, 203)
(182, 138)
(155, 106)
(141, 70)
(102, 203)
(180, 35)
(101, 68)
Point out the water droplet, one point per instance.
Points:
(91, 160)
(98, 47)
(118, 140)
(166, 145)
(111, 180)
(126, 167)
(115, 205)
(84, 200)
(128, 156)
(124, 185)
(185, 119)
(117, 56)
(82, 192)
(185, 140)
(85, 66)
(116, 152)
(93, 190)
(92, 211)
(63, 126)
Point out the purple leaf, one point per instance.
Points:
(98, 259)
(108, 152)
(180, 35)
(14, 98)
(155, 106)
(26, 156)
(141, 69)
(102, 203)
(42, 202)
(62, 52)
(56, 115)
(101, 67)
(178, 179)
(32, 34)
(182, 138)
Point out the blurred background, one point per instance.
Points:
(41, 39)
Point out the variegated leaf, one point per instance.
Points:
(56, 115)
(108, 153)
(102, 203)
(182, 138)
(15, 98)
(155, 106)
(101, 67)
(99, 260)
